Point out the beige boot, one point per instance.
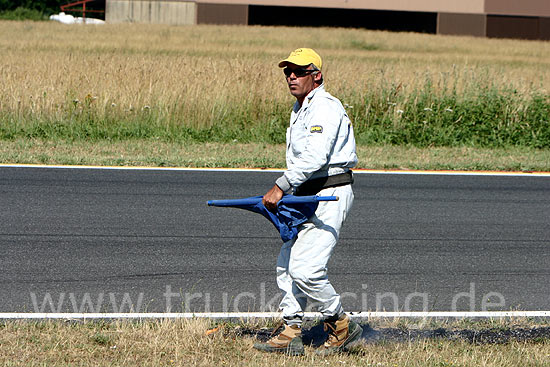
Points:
(289, 341)
(341, 333)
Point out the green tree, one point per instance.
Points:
(47, 7)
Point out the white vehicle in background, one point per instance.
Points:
(70, 19)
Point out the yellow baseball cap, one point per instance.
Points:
(302, 57)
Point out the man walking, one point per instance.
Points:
(320, 153)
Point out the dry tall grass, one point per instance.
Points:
(183, 343)
(192, 73)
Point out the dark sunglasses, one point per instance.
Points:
(298, 72)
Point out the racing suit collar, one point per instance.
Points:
(308, 98)
(311, 94)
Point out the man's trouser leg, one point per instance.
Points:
(294, 301)
(302, 263)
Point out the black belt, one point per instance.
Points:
(312, 187)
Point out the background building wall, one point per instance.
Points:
(526, 19)
(544, 29)
(450, 6)
(222, 13)
(150, 11)
(533, 8)
(532, 28)
(512, 27)
(463, 24)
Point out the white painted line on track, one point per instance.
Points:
(455, 173)
(356, 171)
(265, 315)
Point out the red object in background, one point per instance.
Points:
(65, 8)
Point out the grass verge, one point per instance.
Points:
(183, 342)
(260, 155)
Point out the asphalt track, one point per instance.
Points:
(90, 240)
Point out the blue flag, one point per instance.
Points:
(291, 212)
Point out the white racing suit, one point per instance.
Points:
(320, 142)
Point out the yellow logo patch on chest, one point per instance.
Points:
(316, 129)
